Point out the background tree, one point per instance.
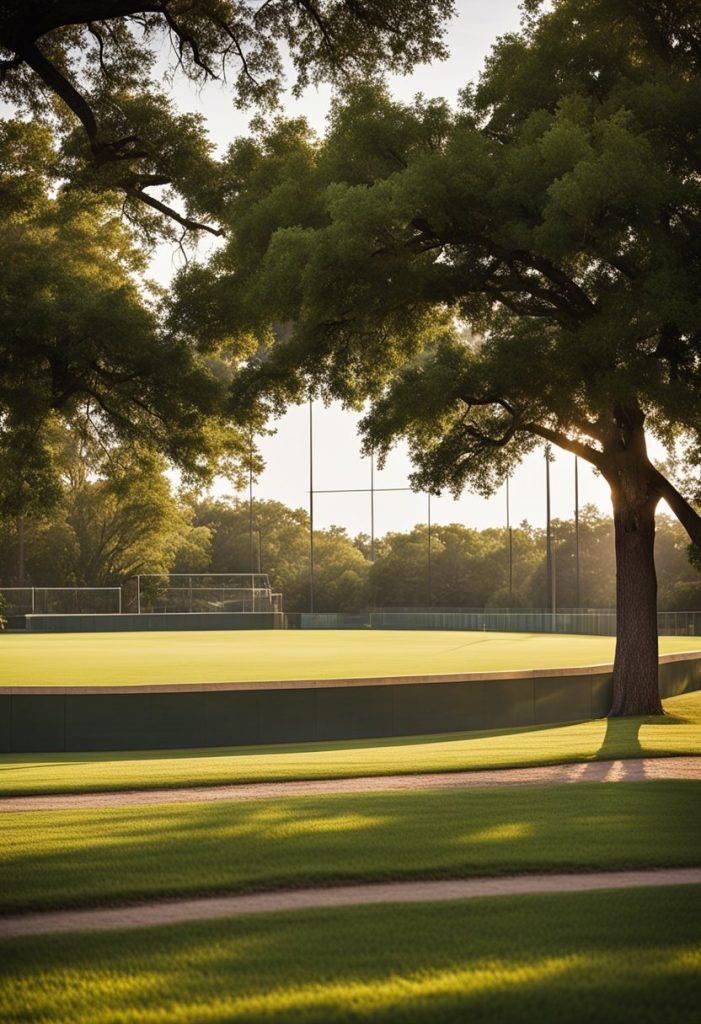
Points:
(557, 213)
(281, 549)
(80, 338)
(89, 67)
(116, 516)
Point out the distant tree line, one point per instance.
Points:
(118, 515)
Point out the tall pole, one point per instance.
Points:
(548, 535)
(576, 530)
(510, 539)
(20, 551)
(372, 506)
(429, 566)
(250, 506)
(311, 506)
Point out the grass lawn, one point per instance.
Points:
(623, 957)
(102, 659)
(678, 732)
(79, 858)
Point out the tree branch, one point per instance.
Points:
(59, 84)
(556, 437)
(684, 512)
(156, 204)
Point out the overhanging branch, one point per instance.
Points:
(156, 204)
(556, 437)
(684, 512)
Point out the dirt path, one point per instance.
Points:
(632, 770)
(148, 915)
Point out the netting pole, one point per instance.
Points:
(250, 505)
(138, 595)
(576, 530)
(509, 534)
(311, 506)
(372, 506)
(548, 537)
(429, 566)
(20, 550)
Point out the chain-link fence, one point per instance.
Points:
(600, 622)
(161, 593)
(61, 600)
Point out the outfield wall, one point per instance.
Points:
(129, 623)
(52, 719)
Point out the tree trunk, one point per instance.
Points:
(635, 494)
(635, 669)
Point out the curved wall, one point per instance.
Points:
(50, 719)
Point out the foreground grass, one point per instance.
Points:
(102, 659)
(79, 858)
(624, 957)
(677, 732)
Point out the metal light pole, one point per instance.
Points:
(510, 539)
(576, 531)
(311, 506)
(372, 506)
(430, 567)
(250, 506)
(548, 535)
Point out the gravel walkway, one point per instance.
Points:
(632, 770)
(148, 915)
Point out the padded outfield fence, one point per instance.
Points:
(52, 719)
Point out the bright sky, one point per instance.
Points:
(337, 462)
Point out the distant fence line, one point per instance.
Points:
(61, 600)
(21, 601)
(593, 623)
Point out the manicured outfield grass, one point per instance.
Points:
(102, 659)
(620, 957)
(77, 858)
(678, 732)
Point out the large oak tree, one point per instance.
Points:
(94, 69)
(522, 270)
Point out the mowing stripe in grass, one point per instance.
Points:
(107, 659)
(624, 957)
(87, 858)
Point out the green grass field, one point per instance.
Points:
(677, 732)
(116, 855)
(623, 957)
(111, 659)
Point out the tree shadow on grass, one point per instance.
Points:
(621, 744)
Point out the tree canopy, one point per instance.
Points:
(80, 340)
(93, 69)
(521, 270)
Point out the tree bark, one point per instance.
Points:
(635, 669)
(635, 495)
